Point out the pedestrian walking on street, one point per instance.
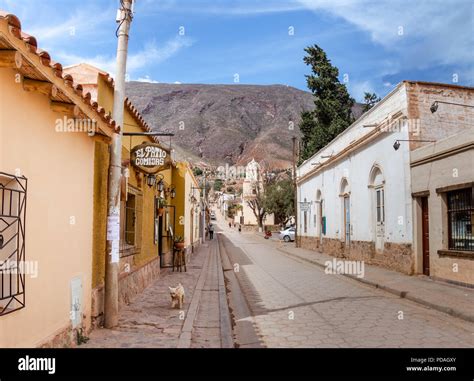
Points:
(240, 228)
(211, 231)
(230, 225)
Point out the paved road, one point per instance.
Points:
(295, 304)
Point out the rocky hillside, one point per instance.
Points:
(222, 124)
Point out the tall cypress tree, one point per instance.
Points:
(333, 112)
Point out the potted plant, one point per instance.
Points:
(179, 242)
(161, 206)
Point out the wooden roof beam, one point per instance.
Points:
(11, 59)
(43, 87)
(69, 109)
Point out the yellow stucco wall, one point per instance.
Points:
(188, 219)
(59, 167)
(147, 250)
(101, 165)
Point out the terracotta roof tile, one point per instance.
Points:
(14, 27)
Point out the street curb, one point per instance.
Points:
(401, 294)
(184, 340)
(245, 338)
(225, 321)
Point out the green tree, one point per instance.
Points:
(333, 104)
(256, 203)
(370, 100)
(218, 184)
(197, 171)
(279, 200)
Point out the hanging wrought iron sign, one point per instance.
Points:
(305, 206)
(150, 157)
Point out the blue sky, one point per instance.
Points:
(374, 43)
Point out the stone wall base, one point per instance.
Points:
(248, 228)
(64, 338)
(394, 256)
(130, 285)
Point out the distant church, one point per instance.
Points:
(253, 184)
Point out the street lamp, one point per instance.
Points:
(151, 180)
(434, 106)
(171, 190)
(396, 145)
(160, 185)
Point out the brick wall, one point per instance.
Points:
(448, 119)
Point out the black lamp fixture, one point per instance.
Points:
(172, 191)
(434, 106)
(160, 184)
(151, 180)
(396, 145)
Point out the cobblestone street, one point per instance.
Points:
(295, 304)
(275, 300)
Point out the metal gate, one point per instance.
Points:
(12, 242)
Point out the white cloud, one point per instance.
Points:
(357, 89)
(83, 23)
(146, 79)
(150, 55)
(105, 63)
(423, 33)
(223, 7)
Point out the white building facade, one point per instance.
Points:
(355, 195)
(252, 185)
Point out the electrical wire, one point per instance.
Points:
(128, 15)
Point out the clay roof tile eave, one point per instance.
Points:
(55, 68)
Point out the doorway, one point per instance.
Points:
(321, 222)
(347, 220)
(425, 232)
(379, 218)
(191, 232)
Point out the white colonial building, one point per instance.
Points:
(355, 194)
(252, 185)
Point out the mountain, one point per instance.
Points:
(221, 124)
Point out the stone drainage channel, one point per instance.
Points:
(218, 315)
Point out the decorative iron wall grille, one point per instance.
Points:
(461, 219)
(12, 242)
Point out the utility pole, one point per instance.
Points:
(295, 190)
(204, 209)
(111, 303)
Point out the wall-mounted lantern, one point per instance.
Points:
(150, 180)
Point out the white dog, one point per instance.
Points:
(177, 296)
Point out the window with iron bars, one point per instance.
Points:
(460, 219)
(131, 223)
(12, 242)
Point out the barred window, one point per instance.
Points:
(460, 219)
(12, 242)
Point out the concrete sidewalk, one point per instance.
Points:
(149, 322)
(454, 300)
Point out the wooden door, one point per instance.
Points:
(347, 220)
(425, 235)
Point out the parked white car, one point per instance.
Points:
(287, 235)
